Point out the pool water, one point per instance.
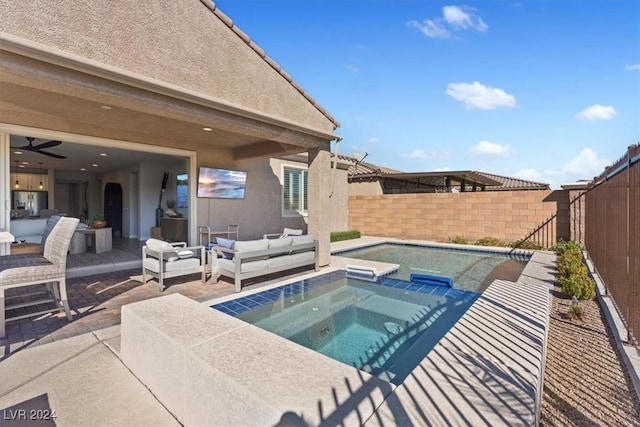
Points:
(383, 328)
(470, 270)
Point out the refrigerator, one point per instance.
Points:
(32, 201)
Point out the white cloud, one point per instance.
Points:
(480, 97)
(587, 162)
(597, 112)
(430, 28)
(585, 165)
(633, 67)
(427, 155)
(454, 18)
(491, 149)
(464, 18)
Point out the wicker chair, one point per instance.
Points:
(48, 269)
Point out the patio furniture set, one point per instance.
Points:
(45, 272)
(236, 259)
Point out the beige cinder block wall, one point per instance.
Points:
(508, 215)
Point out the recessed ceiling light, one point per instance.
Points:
(17, 152)
(20, 166)
(25, 163)
(207, 129)
(95, 165)
(105, 107)
(83, 169)
(103, 154)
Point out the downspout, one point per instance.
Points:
(335, 166)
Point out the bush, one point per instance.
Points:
(461, 240)
(490, 241)
(573, 275)
(579, 285)
(562, 247)
(526, 244)
(337, 236)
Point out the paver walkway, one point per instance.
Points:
(95, 303)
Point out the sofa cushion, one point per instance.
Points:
(227, 264)
(301, 240)
(226, 243)
(284, 242)
(158, 245)
(305, 238)
(182, 264)
(252, 246)
(309, 256)
(280, 261)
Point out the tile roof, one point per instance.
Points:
(245, 37)
(491, 181)
(509, 183)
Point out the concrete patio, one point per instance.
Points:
(79, 373)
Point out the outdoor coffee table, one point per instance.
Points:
(101, 239)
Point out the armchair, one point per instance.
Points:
(164, 260)
(48, 269)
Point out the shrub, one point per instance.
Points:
(573, 275)
(526, 244)
(562, 247)
(461, 240)
(579, 285)
(490, 241)
(337, 236)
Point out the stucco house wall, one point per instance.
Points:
(180, 42)
(166, 71)
(260, 211)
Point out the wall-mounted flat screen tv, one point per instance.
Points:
(221, 183)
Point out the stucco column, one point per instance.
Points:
(319, 187)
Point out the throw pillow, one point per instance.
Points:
(185, 253)
(291, 232)
(227, 244)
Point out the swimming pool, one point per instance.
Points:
(384, 328)
(472, 270)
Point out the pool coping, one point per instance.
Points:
(513, 301)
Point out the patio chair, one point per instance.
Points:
(285, 233)
(163, 260)
(48, 269)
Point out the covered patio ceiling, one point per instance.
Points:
(67, 95)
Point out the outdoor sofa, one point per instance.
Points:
(254, 258)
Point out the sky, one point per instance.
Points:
(547, 91)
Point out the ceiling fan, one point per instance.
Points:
(38, 148)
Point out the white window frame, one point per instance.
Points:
(304, 174)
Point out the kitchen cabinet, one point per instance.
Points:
(29, 181)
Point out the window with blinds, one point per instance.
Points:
(294, 191)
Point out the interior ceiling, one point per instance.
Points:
(78, 156)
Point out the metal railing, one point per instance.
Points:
(612, 235)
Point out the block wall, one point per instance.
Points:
(508, 215)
